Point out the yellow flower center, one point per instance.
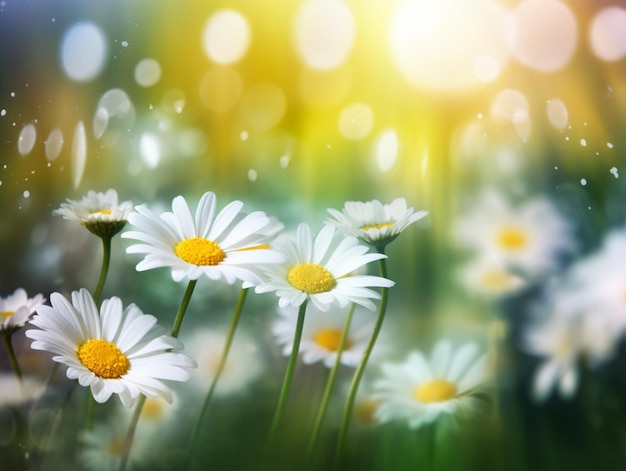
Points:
(100, 211)
(498, 280)
(376, 226)
(6, 314)
(512, 238)
(435, 390)
(153, 408)
(103, 359)
(117, 446)
(311, 278)
(199, 251)
(330, 339)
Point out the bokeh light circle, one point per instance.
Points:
(557, 113)
(448, 45)
(356, 121)
(226, 36)
(543, 34)
(262, 106)
(324, 32)
(27, 138)
(54, 144)
(83, 51)
(220, 88)
(607, 34)
(147, 72)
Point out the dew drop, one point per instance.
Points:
(583, 142)
(609, 145)
(3, 112)
(26, 194)
(583, 181)
(614, 172)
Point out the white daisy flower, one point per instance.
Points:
(100, 213)
(114, 350)
(421, 389)
(322, 269)
(228, 245)
(490, 277)
(16, 392)
(529, 238)
(322, 333)
(568, 333)
(373, 222)
(16, 309)
(243, 365)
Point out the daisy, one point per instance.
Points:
(104, 446)
(16, 309)
(322, 269)
(243, 365)
(100, 213)
(216, 245)
(421, 389)
(114, 350)
(373, 222)
(490, 277)
(528, 238)
(322, 333)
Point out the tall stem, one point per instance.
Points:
(104, 270)
(291, 366)
(218, 372)
(142, 399)
(183, 308)
(330, 383)
(358, 374)
(12, 357)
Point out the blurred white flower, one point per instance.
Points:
(15, 392)
(16, 309)
(113, 350)
(421, 389)
(104, 446)
(322, 269)
(581, 319)
(490, 277)
(100, 213)
(527, 238)
(373, 222)
(243, 365)
(228, 245)
(322, 333)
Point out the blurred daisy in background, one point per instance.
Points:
(244, 364)
(105, 444)
(580, 321)
(321, 269)
(113, 350)
(217, 245)
(490, 277)
(100, 213)
(16, 309)
(322, 333)
(529, 238)
(420, 389)
(374, 222)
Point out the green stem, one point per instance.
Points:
(358, 374)
(329, 384)
(183, 307)
(142, 399)
(291, 366)
(218, 372)
(104, 270)
(130, 435)
(12, 357)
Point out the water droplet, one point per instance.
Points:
(583, 181)
(614, 172)
(3, 112)
(556, 168)
(26, 193)
(124, 43)
(583, 142)
(609, 145)
(12, 94)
